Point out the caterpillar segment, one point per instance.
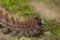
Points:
(29, 27)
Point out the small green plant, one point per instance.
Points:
(24, 38)
(52, 27)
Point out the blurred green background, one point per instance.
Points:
(22, 8)
(17, 7)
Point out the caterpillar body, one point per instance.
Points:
(29, 27)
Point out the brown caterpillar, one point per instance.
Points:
(29, 27)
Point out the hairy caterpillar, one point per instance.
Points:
(29, 27)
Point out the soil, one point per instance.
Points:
(45, 11)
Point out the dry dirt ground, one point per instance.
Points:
(46, 11)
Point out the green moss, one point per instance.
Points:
(51, 26)
(19, 7)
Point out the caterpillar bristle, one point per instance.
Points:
(29, 27)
